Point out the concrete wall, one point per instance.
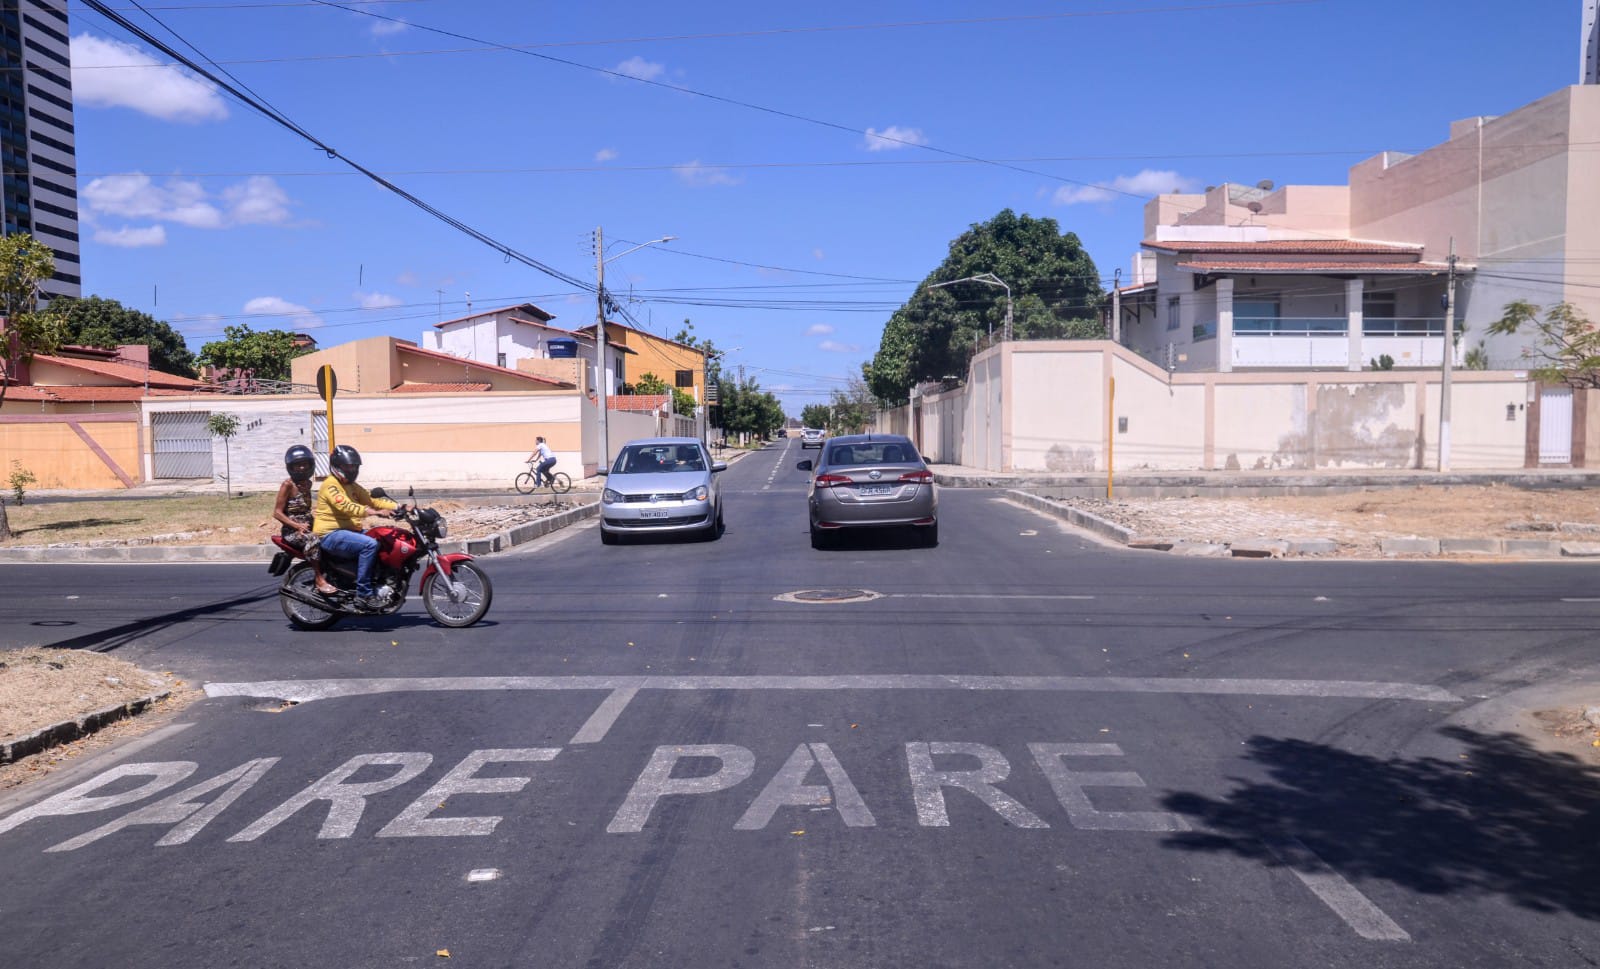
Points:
(402, 438)
(1055, 418)
(60, 450)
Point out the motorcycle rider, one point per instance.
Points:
(293, 509)
(341, 506)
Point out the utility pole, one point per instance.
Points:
(1449, 354)
(1116, 307)
(601, 390)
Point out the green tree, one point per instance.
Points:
(1566, 347)
(747, 409)
(815, 415)
(649, 383)
(853, 407)
(1054, 286)
(266, 353)
(24, 264)
(225, 426)
(95, 321)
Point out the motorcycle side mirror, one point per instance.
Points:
(411, 491)
(378, 493)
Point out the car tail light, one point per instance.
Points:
(833, 480)
(918, 477)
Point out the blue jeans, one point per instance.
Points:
(544, 470)
(345, 544)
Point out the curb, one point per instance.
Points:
(67, 731)
(522, 534)
(1260, 548)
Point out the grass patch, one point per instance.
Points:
(44, 523)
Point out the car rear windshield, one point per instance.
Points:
(656, 458)
(877, 452)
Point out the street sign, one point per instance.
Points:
(328, 386)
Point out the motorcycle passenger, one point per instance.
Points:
(547, 460)
(341, 506)
(293, 509)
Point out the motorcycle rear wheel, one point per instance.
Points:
(477, 591)
(302, 579)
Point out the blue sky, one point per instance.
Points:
(203, 213)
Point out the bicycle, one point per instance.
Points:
(527, 482)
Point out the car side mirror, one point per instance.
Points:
(804, 465)
(718, 466)
(602, 472)
(378, 493)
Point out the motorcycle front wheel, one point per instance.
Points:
(476, 594)
(302, 579)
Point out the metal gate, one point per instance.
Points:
(319, 440)
(1555, 425)
(180, 445)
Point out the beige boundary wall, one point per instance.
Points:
(466, 437)
(72, 450)
(1043, 406)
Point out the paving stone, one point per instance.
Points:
(1312, 546)
(1200, 549)
(1409, 546)
(1580, 549)
(1470, 546)
(1258, 548)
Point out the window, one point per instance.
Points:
(685, 378)
(1172, 312)
(1255, 315)
(499, 359)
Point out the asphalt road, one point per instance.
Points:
(1022, 748)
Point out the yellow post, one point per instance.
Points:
(1111, 433)
(327, 386)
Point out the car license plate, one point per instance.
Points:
(875, 490)
(653, 514)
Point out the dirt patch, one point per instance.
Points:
(218, 520)
(1358, 521)
(1572, 730)
(40, 687)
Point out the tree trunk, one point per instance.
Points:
(5, 523)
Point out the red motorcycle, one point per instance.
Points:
(455, 589)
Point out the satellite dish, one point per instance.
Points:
(1254, 207)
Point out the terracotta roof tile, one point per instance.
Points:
(122, 371)
(1309, 266)
(1287, 247)
(456, 388)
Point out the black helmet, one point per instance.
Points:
(345, 462)
(300, 462)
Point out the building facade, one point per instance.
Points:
(36, 135)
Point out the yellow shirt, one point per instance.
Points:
(341, 505)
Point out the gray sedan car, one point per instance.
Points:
(871, 481)
(662, 485)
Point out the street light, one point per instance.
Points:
(992, 280)
(705, 417)
(600, 260)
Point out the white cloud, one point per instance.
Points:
(698, 175)
(1146, 182)
(640, 68)
(817, 255)
(110, 74)
(894, 137)
(834, 347)
(129, 237)
(387, 28)
(407, 278)
(256, 201)
(299, 317)
(605, 155)
(819, 329)
(377, 301)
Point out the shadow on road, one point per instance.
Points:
(1504, 819)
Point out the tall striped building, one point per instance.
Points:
(36, 134)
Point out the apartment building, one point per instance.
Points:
(36, 134)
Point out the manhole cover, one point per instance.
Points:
(825, 596)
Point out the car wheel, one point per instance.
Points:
(606, 538)
(930, 536)
(819, 538)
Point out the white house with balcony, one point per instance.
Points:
(521, 337)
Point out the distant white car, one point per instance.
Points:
(811, 437)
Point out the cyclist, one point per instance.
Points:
(341, 505)
(546, 460)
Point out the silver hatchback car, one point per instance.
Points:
(871, 481)
(662, 485)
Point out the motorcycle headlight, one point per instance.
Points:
(698, 494)
(610, 497)
(444, 529)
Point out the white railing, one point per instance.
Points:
(1324, 350)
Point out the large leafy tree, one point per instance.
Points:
(265, 353)
(95, 321)
(25, 332)
(1055, 289)
(853, 407)
(747, 409)
(815, 415)
(1567, 343)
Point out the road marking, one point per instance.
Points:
(483, 874)
(981, 595)
(44, 788)
(594, 729)
(304, 691)
(1357, 910)
(1580, 598)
